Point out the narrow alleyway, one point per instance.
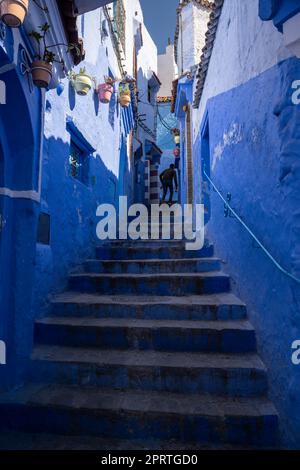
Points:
(112, 341)
(147, 349)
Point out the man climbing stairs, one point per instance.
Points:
(147, 349)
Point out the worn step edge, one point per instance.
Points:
(147, 358)
(96, 400)
(129, 323)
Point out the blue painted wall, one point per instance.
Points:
(254, 154)
(278, 10)
(20, 143)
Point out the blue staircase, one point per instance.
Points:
(148, 349)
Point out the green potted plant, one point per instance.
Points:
(13, 12)
(124, 95)
(82, 81)
(42, 65)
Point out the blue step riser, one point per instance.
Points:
(153, 268)
(222, 382)
(148, 312)
(177, 286)
(257, 431)
(173, 339)
(159, 253)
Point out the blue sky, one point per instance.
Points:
(160, 19)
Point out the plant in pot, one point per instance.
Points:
(176, 152)
(41, 68)
(82, 82)
(13, 12)
(176, 134)
(105, 90)
(124, 95)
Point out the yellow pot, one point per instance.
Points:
(177, 139)
(13, 12)
(82, 84)
(124, 100)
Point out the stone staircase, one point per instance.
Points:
(148, 348)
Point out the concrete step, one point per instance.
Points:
(35, 442)
(138, 250)
(160, 335)
(241, 375)
(153, 266)
(223, 306)
(160, 284)
(140, 415)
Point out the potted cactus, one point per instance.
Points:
(124, 95)
(41, 68)
(105, 90)
(13, 12)
(82, 82)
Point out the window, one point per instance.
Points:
(43, 235)
(78, 163)
(79, 153)
(149, 93)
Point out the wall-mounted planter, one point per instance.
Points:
(13, 12)
(82, 83)
(124, 99)
(176, 152)
(105, 91)
(124, 94)
(177, 139)
(41, 73)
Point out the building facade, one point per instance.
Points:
(65, 150)
(239, 115)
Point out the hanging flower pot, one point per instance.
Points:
(41, 73)
(177, 139)
(124, 94)
(176, 152)
(13, 12)
(124, 99)
(82, 82)
(105, 91)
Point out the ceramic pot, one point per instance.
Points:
(13, 12)
(105, 91)
(41, 73)
(82, 84)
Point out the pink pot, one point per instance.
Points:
(176, 152)
(105, 91)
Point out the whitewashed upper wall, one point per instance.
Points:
(192, 28)
(147, 63)
(244, 47)
(167, 71)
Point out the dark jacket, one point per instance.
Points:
(168, 176)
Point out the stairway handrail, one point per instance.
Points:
(266, 251)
